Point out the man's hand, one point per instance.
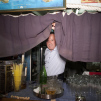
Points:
(53, 26)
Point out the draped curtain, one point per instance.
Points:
(77, 37)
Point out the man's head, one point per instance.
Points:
(51, 42)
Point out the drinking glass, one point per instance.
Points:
(19, 75)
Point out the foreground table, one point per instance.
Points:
(28, 93)
(11, 99)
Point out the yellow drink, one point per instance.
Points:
(17, 74)
(50, 92)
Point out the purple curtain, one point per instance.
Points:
(20, 34)
(82, 39)
(77, 37)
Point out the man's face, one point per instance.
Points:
(51, 42)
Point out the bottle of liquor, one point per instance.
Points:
(43, 80)
(43, 76)
(52, 31)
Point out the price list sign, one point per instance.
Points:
(10, 5)
(90, 1)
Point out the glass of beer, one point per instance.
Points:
(50, 91)
(51, 87)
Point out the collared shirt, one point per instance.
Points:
(54, 64)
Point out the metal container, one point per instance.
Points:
(46, 96)
(6, 77)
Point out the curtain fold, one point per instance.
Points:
(77, 37)
(20, 34)
(82, 37)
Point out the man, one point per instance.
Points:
(54, 63)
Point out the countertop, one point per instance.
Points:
(28, 93)
(11, 99)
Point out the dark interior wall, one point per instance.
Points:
(72, 68)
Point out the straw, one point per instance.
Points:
(17, 73)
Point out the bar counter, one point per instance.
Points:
(11, 99)
(28, 93)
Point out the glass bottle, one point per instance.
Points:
(52, 31)
(43, 76)
(43, 80)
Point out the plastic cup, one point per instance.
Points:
(17, 83)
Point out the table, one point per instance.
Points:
(28, 92)
(67, 96)
(11, 99)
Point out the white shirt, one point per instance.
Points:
(54, 64)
